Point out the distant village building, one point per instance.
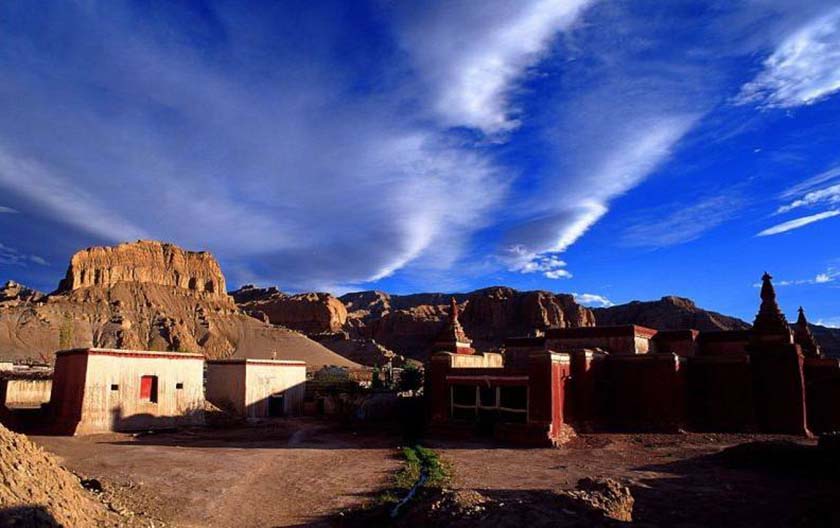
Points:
(24, 388)
(771, 378)
(97, 390)
(257, 388)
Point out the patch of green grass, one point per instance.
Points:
(417, 458)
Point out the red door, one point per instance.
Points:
(148, 388)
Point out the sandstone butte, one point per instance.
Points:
(151, 296)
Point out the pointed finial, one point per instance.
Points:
(767, 290)
(453, 310)
(802, 319)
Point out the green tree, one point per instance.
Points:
(376, 379)
(65, 332)
(411, 379)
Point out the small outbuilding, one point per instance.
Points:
(25, 388)
(98, 390)
(257, 388)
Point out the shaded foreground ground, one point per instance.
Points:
(307, 472)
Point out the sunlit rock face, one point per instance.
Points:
(146, 261)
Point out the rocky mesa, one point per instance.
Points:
(147, 295)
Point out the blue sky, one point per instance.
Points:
(618, 150)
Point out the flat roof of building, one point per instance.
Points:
(117, 352)
(600, 331)
(669, 335)
(27, 374)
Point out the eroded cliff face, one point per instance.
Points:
(14, 293)
(408, 324)
(668, 313)
(147, 262)
(310, 313)
(489, 316)
(165, 304)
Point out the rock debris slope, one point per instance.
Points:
(36, 491)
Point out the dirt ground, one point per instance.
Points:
(677, 480)
(285, 473)
(305, 472)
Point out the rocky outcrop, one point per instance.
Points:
(157, 311)
(14, 293)
(408, 324)
(601, 497)
(668, 313)
(36, 491)
(310, 313)
(366, 306)
(675, 313)
(361, 350)
(147, 262)
(828, 339)
(493, 314)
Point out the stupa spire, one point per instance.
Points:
(770, 319)
(452, 337)
(803, 337)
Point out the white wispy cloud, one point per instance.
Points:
(11, 256)
(286, 179)
(684, 223)
(796, 223)
(828, 196)
(828, 276)
(811, 183)
(592, 299)
(63, 199)
(584, 199)
(7, 210)
(829, 322)
(472, 57)
(822, 189)
(804, 69)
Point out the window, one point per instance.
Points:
(514, 398)
(179, 386)
(463, 395)
(487, 396)
(149, 389)
(115, 387)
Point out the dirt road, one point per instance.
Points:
(304, 472)
(291, 472)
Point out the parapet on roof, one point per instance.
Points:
(117, 352)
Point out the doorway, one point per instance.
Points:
(277, 405)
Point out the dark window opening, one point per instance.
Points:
(179, 386)
(512, 417)
(513, 397)
(487, 396)
(463, 395)
(461, 413)
(149, 389)
(115, 387)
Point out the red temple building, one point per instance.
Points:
(771, 378)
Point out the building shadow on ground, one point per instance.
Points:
(29, 516)
(768, 484)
